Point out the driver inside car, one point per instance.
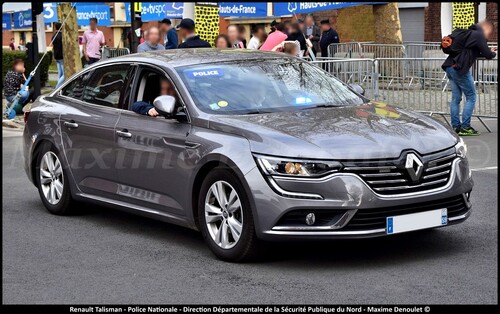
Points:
(142, 107)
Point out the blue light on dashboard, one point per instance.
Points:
(302, 100)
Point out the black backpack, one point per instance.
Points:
(454, 43)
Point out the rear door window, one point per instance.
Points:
(106, 85)
(75, 88)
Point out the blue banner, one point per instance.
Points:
(22, 19)
(156, 11)
(85, 12)
(50, 12)
(127, 12)
(243, 9)
(288, 8)
(6, 21)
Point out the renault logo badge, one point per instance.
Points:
(414, 166)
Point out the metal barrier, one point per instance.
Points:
(108, 52)
(368, 50)
(357, 71)
(485, 73)
(409, 49)
(418, 84)
(410, 75)
(346, 50)
(424, 50)
(373, 50)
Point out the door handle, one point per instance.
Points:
(192, 145)
(71, 124)
(124, 133)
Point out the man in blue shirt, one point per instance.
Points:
(171, 41)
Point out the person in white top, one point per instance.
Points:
(257, 32)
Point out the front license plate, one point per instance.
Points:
(423, 220)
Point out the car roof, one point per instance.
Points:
(195, 56)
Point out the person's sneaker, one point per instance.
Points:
(468, 132)
(457, 130)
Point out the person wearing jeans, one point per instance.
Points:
(57, 47)
(23, 100)
(461, 84)
(60, 72)
(457, 67)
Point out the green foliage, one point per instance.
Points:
(8, 56)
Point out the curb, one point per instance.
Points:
(12, 124)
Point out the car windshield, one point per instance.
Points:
(264, 86)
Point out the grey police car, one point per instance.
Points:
(244, 146)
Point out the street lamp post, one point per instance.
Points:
(36, 9)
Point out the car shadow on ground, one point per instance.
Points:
(346, 253)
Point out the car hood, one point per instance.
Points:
(369, 131)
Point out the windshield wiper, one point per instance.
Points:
(257, 112)
(323, 106)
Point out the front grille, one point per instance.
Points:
(375, 218)
(392, 178)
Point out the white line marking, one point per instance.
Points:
(485, 168)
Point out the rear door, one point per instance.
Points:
(151, 151)
(88, 125)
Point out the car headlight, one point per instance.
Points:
(296, 168)
(461, 148)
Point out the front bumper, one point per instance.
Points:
(347, 194)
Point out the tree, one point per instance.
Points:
(387, 25)
(71, 47)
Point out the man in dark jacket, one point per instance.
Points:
(57, 47)
(328, 36)
(457, 69)
(191, 39)
(296, 34)
(312, 32)
(170, 39)
(273, 26)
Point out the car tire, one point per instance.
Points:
(220, 224)
(52, 181)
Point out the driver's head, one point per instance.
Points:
(166, 88)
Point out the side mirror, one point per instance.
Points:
(165, 105)
(357, 88)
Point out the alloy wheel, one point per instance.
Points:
(51, 178)
(223, 214)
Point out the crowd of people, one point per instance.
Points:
(300, 37)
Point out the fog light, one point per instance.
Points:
(310, 219)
